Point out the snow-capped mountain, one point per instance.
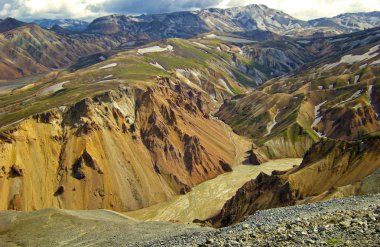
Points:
(189, 23)
(248, 18)
(232, 20)
(350, 22)
(69, 24)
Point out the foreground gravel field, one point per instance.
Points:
(342, 222)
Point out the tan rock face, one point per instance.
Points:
(329, 169)
(122, 150)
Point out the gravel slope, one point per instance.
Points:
(339, 222)
(56, 227)
(342, 222)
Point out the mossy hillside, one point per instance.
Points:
(66, 96)
(131, 68)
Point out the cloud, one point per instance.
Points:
(156, 6)
(88, 9)
(311, 9)
(32, 9)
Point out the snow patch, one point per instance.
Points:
(158, 66)
(304, 41)
(54, 88)
(351, 59)
(318, 117)
(154, 49)
(109, 66)
(102, 58)
(317, 114)
(354, 96)
(356, 79)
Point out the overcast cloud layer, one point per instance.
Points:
(89, 9)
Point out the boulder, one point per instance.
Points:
(16, 171)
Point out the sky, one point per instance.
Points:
(90, 9)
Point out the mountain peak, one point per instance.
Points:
(9, 24)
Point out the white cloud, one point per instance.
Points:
(311, 9)
(30, 9)
(303, 9)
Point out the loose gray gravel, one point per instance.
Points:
(351, 221)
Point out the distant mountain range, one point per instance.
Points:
(27, 48)
(69, 24)
(349, 22)
(190, 23)
(232, 20)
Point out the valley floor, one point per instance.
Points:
(208, 198)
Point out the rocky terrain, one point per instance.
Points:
(339, 222)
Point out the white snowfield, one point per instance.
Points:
(354, 96)
(155, 49)
(108, 76)
(351, 59)
(317, 114)
(318, 117)
(109, 66)
(54, 88)
(158, 66)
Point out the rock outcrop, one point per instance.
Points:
(256, 157)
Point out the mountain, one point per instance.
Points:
(9, 24)
(232, 20)
(144, 118)
(199, 117)
(188, 24)
(69, 24)
(249, 18)
(156, 108)
(326, 112)
(156, 27)
(350, 22)
(31, 49)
